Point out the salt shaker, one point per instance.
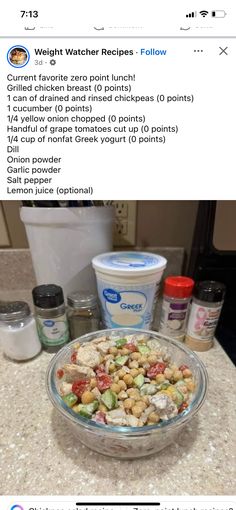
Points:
(18, 332)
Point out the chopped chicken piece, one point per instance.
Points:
(98, 340)
(88, 356)
(116, 417)
(75, 372)
(164, 405)
(65, 388)
(132, 421)
(96, 393)
(103, 347)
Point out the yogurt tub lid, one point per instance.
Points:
(127, 263)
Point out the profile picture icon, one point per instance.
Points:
(18, 56)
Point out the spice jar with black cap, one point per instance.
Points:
(52, 324)
(208, 298)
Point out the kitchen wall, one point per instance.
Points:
(166, 223)
(159, 223)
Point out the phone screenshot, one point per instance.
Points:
(117, 255)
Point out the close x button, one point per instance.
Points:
(223, 51)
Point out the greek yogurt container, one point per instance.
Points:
(128, 284)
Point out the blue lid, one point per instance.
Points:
(129, 262)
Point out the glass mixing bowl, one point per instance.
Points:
(129, 442)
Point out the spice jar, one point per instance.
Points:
(83, 313)
(205, 311)
(18, 332)
(176, 297)
(52, 324)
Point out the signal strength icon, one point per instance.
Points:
(191, 15)
(204, 13)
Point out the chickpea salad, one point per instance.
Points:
(130, 381)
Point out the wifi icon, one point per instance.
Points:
(204, 13)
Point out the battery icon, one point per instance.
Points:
(218, 14)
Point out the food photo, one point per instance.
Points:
(117, 360)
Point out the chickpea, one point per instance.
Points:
(142, 371)
(143, 360)
(87, 397)
(122, 395)
(187, 372)
(133, 393)
(121, 373)
(116, 379)
(134, 372)
(115, 387)
(93, 383)
(135, 356)
(152, 359)
(128, 379)
(173, 367)
(168, 373)
(133, 364)
(124, 351)
(137, 411)
(76, 346)
(141, 403)
(177, 375)
(102, 408)
(122, 385)
(112, 368)
(108, 356)
(113, 350)
(129, 403)
(153, 417)
(145, 399)
(160, 378)
(190, 385)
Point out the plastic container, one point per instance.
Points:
(208, 297)
(129, 442)
(18, 332)
(63, 242)
(128, 285)
(175, 306)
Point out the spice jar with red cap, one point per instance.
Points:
(176, 298)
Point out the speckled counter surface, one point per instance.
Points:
(39, 455)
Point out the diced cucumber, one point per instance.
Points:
(165, 385)
(148, 389)
(120, 342)
(86, 410)
(70, 399)
(109, 398)
(139, 380)
(121, 360)
(143, 349)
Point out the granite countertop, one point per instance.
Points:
(40, 456)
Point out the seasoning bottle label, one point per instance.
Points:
(173, 318)
(203, 321)
(53, 332)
